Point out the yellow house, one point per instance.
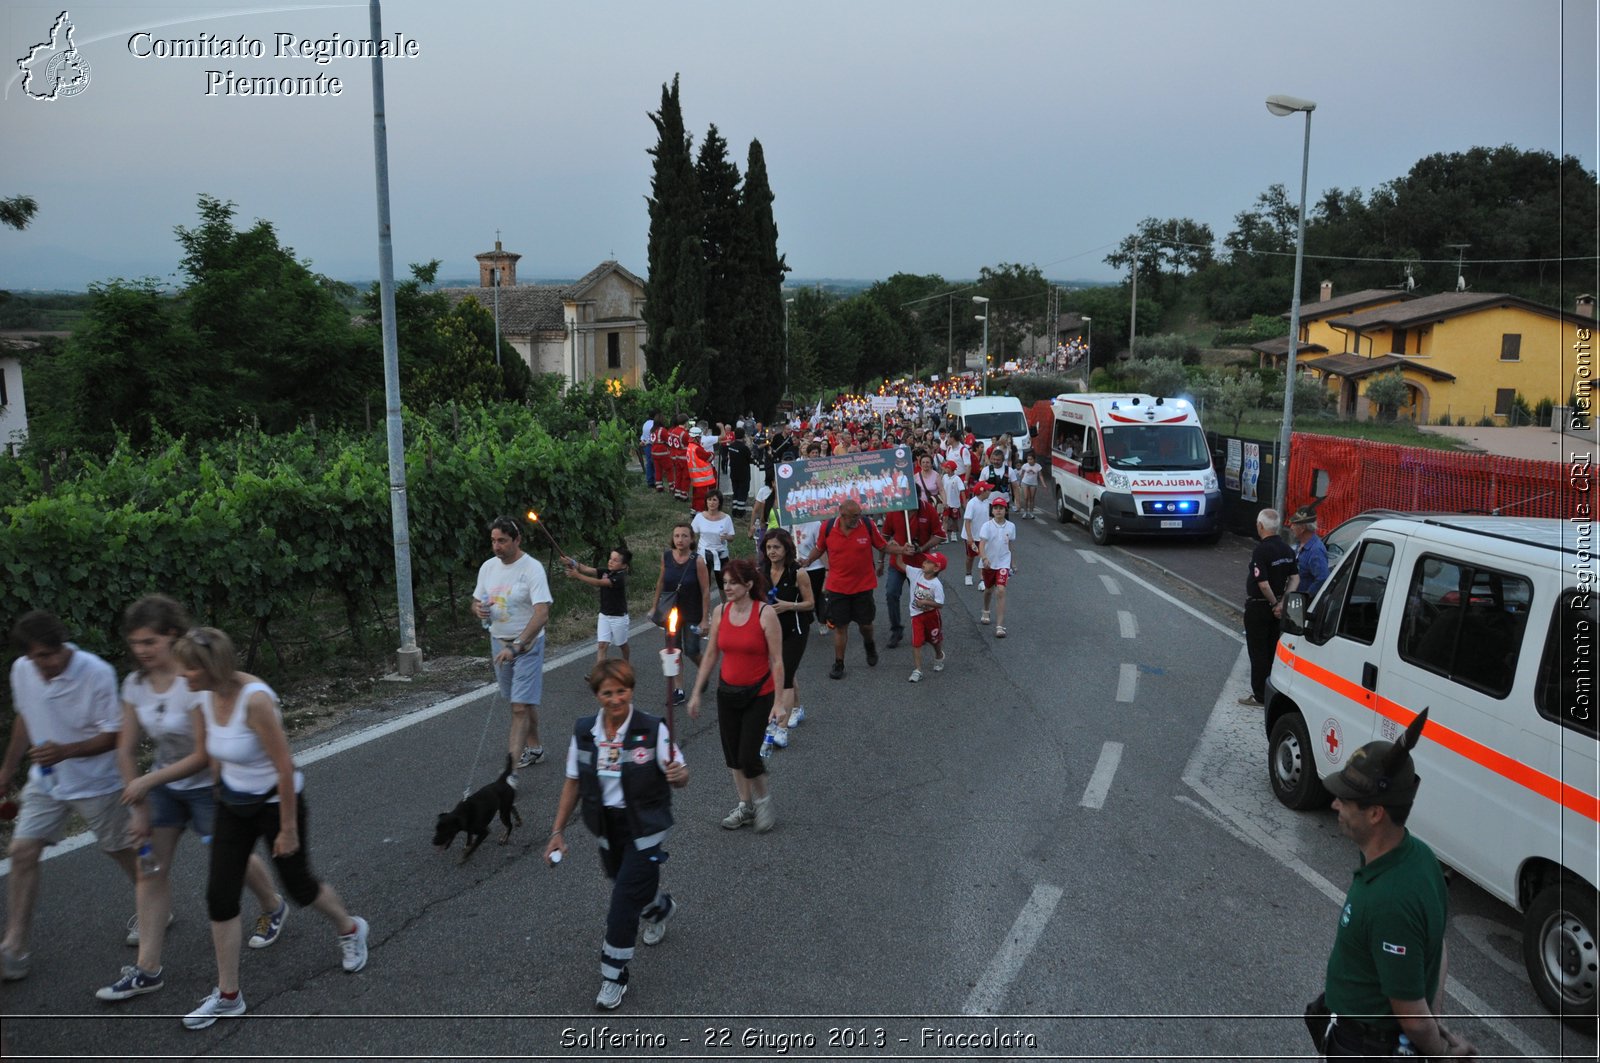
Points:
(1461, 354)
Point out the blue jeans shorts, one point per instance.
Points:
(195, 807)
(522, 678)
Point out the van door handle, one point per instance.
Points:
(1369, 675)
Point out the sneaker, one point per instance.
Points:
(797, 717)
(984, 619)
(269, 925)
(354, 946)
(679, 697)
(531, 755)
(872, 656)
(916, 675)
(610, 997)
(14, 967)
(133, 982)
(983, 587)
(969, 581)
(132, 940)
(938, 664)
(741, 816)
(780, 738)
(895, 638)
(213, 1008)
(837, 671)
(656, 929)
(764, 815)
(999, 632)
(1250, 699)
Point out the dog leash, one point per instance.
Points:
(494, 699)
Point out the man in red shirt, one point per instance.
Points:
(852, 583)
(920, 527)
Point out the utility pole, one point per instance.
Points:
(1133, 304)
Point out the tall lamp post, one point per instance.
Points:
(1088, 353)
(786, 304)
(1283, 106)
(984, 317)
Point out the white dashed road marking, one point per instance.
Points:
(1110, 585)
(1059, 534)
(1127, 624)
(1127, 682)
(1094, 796)
(989, 993)
(1089, 557)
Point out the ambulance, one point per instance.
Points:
(1490, 624)
(1133, 465)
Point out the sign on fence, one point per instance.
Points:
(1250, 474)
(812, 488)
(1230, 473)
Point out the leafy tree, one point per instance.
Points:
(1167, 345)
(878, 339)
(838, 352)
(17, 211)
(1156, 376)
(1167, 249)
(718, 181)
(1017, 297)
(675, 286)
(1387, 392)
(1233, 396)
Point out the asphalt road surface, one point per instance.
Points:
(1062, 846)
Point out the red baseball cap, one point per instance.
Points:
(949, 466)
(981, 486)
(999, 500)
(937, 558)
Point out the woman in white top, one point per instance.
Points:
(174, 793)
(714, 531)
(258, 797)
(1030, 485)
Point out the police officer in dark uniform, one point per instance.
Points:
(621, 768)
(1387, 970)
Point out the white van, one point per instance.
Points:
(1490, 624)
(1133, 465)
(988, 417)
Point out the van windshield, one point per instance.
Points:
(1156, 447)
(996, 423)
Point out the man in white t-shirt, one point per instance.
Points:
(513, 598)
(68, 713)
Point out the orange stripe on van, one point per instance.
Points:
(1546, 786)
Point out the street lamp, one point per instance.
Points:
(1283, 106)
(984, 317)
(786, 303)
(1088, 353)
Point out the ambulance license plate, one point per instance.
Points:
(1172, 524)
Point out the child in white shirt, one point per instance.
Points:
(994, 552)
(1030, 486)
(927, 601)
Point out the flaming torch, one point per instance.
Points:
(671, 663)
(533, 517)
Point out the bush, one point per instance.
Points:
(1483, 422)
(1168, 346)
(1543, 411)
(1387, 392)
(1156, 376)
(1312, 397)
(1030, 388)
(1261, 327)
(1521, 413)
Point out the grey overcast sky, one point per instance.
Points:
(925, 136)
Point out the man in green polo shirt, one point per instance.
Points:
(1388, 962)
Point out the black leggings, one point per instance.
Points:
(794, 648)
(234, 836)
(743, 723)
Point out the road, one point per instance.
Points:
(1064, 845)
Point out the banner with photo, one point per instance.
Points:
(812, 488)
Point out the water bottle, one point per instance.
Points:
(1405, 1047)
(44, 776)
(488, 611)
(148, 864)
(769, 742)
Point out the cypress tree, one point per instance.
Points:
(757, 329)
(674, 302)
(718, 179)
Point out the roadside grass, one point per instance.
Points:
(1259, 425)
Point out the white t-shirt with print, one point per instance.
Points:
(926, 594)
(168, 718)
(996, 538)
(513, 590)
(1030, 474)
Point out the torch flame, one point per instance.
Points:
(672, 621)
(533, 516)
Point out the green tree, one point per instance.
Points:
(675, 287)
(1168, 250)
(17, 211)
(1387, 392)
(1234, 395)
(759, 271)
(727, 368)
(1017, 299)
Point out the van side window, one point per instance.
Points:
(1358, 618)
(1565, 690)
(1068, 439)
(1465, 622)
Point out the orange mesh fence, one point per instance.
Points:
(1366, 475)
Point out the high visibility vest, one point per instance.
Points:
(701, 471)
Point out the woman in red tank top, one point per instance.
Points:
(746, 642)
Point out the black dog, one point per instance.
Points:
(475, 813)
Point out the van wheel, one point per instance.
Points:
(1292, 767)
(1099, 530)
(1063, 514)
(1559, 950)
